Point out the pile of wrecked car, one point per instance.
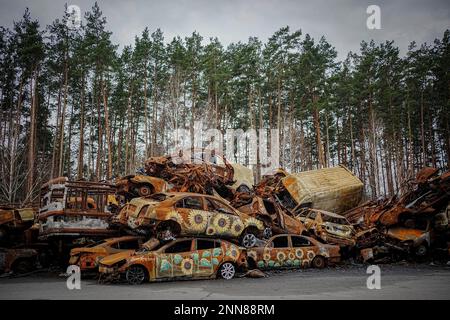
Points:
(206, 219)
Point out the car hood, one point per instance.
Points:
(116, 257)
(75, 251)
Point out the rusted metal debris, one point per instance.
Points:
(414, 223)
(76, 209)
(230, 205)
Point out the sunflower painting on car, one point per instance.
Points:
(185, 258)
(292, 251)
(169, 215)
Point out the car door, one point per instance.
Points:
(194, 218)
(175, 261)
(304, 251)
(207, 257)
(222, 222)
(276, 252)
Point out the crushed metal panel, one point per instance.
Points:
(331, 189)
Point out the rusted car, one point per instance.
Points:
(132, 186)
(14, 220)
(329, 227)
(273, 215)
(169, 215)
(292, 251)
(17, 260)
(87, 258)
(415, 236)
(184, 258)
(75, 209)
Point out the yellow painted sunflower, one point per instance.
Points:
(266, 256)
(173, 215)
(187, 266)
(310, 254)
(197, 220)
(291, 256)
(237, 227)
(281, 256)
(299, 253)
(221, 223)
(254, 222)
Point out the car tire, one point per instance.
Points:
(319, 262)
(421, 251)
(136, 275)
(249, 240)
(267, 233)
(227, 271)
(144, 190)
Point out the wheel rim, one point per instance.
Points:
(421, 251)
(249, 240)
(318, 262)
(227, 271)
(144, 191)
(267, 233)
(135, 275)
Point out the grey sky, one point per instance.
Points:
(343, 23)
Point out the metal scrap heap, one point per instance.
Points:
(414, 223)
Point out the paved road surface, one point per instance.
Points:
(397, 282)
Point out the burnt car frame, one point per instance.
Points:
(88, 257)
(328, 227)
(169, 215)
(292, 251)
(132, 186)
(181, 259)
(17, 260)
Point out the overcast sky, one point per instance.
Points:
(343, 22)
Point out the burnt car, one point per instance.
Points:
(415, 236)
(273, 215)
(17, 260)
(328, 227)
(132, 186)
(181, 259)
(169, 215)
(292, 251)
(71, 209)
(14, 221)
(87, 258)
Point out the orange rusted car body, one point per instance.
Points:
(87, 258)
(291, 251)
(329, 227)
(273, 215)
(189, 214)
(17, 260)
(140, 185)
(168, 263)
(15, 220)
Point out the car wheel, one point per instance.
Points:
(227, 271)
(421, 250)
(267, 233)
(136, 275)
(144, 190)
(249, 240)
(318, 262)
